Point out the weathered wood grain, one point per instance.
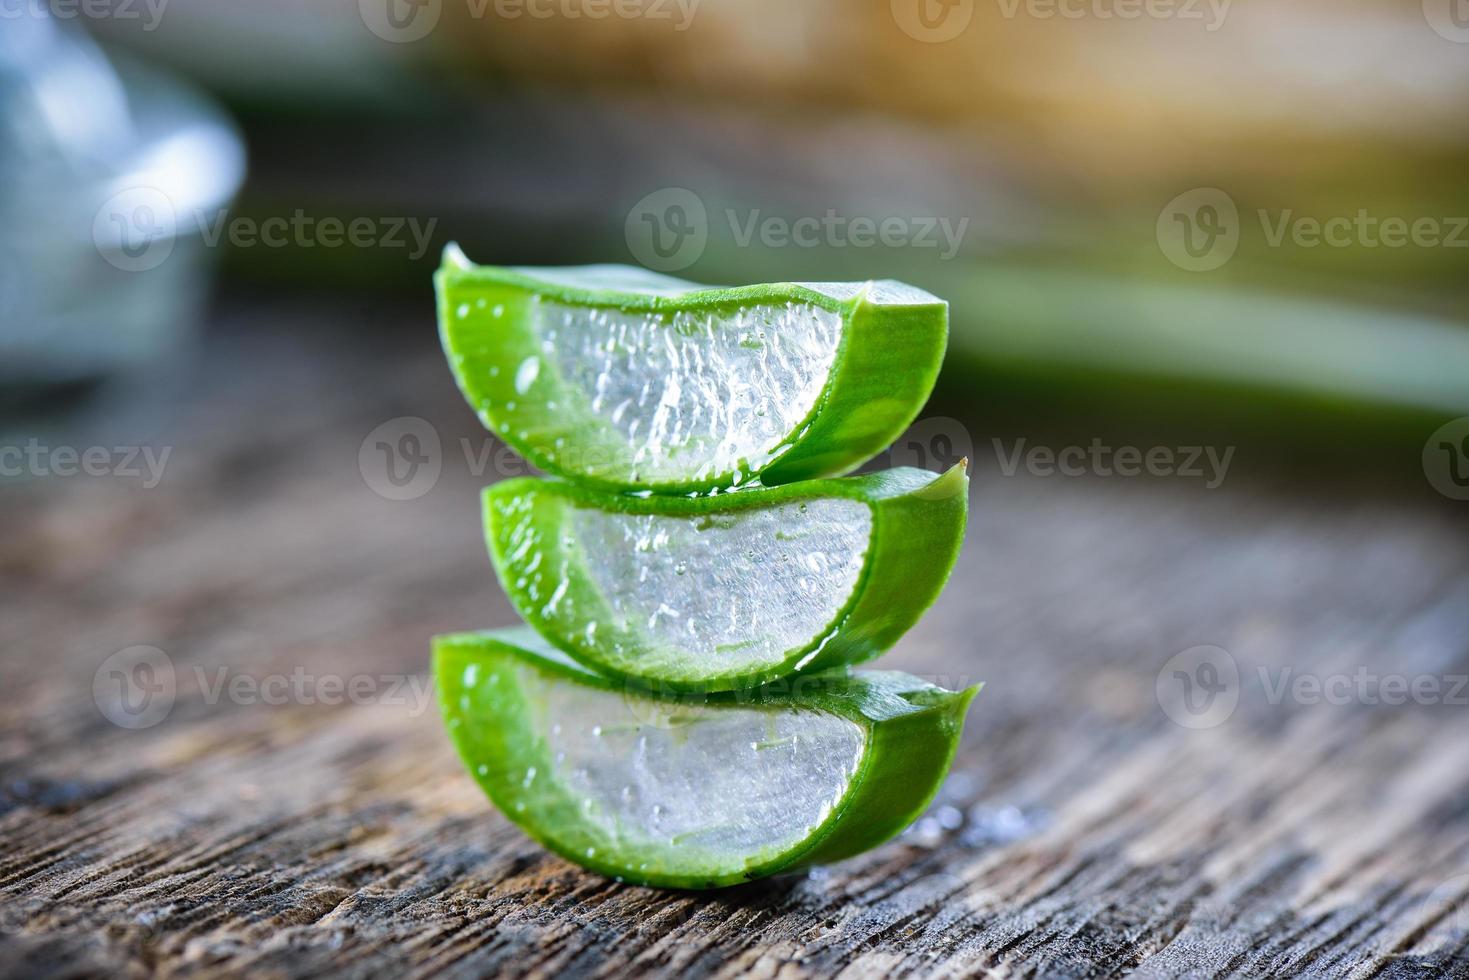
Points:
(1083, 833)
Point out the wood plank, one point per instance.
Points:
(1083, 833)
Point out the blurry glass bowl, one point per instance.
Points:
(109, 175)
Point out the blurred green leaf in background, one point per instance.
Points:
(1237, 213)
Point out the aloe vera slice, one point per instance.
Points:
(622, 378)
(693, 793)
(716, 593)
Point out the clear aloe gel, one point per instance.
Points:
(616, 377)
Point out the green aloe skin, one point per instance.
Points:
(619, 378)
(717, 593)
(701, 576)
(699, 793)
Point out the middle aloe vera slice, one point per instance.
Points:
(717, 593)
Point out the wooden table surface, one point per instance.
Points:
(1087, 830)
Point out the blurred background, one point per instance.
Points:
(1230, 236)
(1241, 217)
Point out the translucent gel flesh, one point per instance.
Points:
(673, 780)
(730, 592)
(693, 394)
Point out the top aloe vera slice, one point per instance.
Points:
(693, 792)
(716, 593)
(626, 379)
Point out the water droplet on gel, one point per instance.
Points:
(526, 374)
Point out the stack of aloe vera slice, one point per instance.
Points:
(697, 574)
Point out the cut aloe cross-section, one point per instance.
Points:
(616, 376)
(715, 593)
(693, 793)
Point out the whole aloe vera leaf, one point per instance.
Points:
(714, 593)
(696, 792)
(624, 379)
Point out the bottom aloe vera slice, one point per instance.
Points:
(694, 792)
(723, 592)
